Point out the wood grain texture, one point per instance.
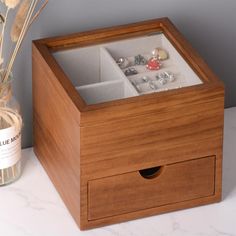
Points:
(103, 35)
(131, 192)
(55, 142)
(150, 212)
(175, 126)
(79, 143)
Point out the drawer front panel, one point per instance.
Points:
(132, 192)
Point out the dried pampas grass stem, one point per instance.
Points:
(21, 36)
(3, 31)
(24, 19)
(38, 12)
(11, 3)
(19, 20)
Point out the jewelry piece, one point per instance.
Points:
(131, 71)
(145, 78)
(165, 77)
(162, 78)
(160, 53)
(153, 64)
(140, 60)
(162, 81)
(138, 81)
(152, 85)
(123, 62)
(170, 76)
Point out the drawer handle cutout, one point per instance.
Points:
(151, 173)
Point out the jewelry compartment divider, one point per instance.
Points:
(104, 91)
(99, 79)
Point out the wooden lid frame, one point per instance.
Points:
(45, 47)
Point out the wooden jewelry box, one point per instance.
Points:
(116, 146)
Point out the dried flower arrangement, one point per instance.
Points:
(25, 16)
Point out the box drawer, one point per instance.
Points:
(150, 188)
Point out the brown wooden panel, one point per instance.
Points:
(56, 133)
(150, 103)
(99, 36)
(131, 192)
(53, 107)
(176, 129)
(151, 211)
(65, 177)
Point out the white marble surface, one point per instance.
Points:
(32, 207)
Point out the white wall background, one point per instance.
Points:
(209, 25)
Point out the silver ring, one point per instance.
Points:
(123, 62)
(170, 76)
